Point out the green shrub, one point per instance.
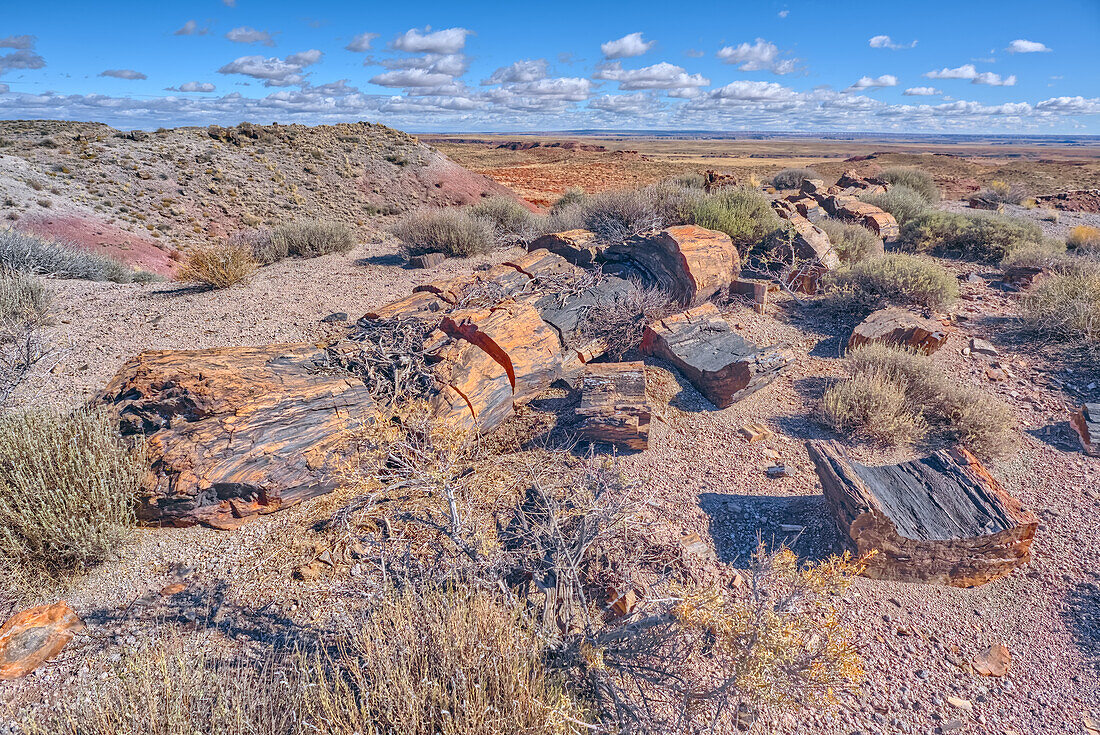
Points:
(512, 222)
(572, 195)
(1066, 306)
(904, 203)
(744, 214)
(690, 180)
(792, 178)
(984, 237)
(853, 243)
(312, 238)
(898, 278)
(453, 232)
(26, 253)
(67, 485)
(1003, 192)
(915, 179)
(896, 397)
(23, 299)
(218, 266)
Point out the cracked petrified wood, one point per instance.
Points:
(879, 221)
(613, 406)
(721, 364)
(899, 327)
(234, 431)
(32, 637)
(942, 519)
(1086, 422)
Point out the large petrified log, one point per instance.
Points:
(879, 221)
(689, 262)
(721, 364)
(899, 327)
(809, 241)
(942, 519)
(1086, 422)
(613, 405)
(32, 637)
(234, 431)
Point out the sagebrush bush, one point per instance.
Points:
(619, 319)
(792, 178)
(902, 202)
(616, 216)
(512, 222)
(219, 265)
(1003, 192)
(980, 236)
(690, 180)
(1084, 238)
(1066, 306)
(1046, 254)
(312, 238)
(853, 243)
(896, 277)
(745, 215)
(23, 299)
(26, 253)
(914, 179)
(67, 485)
(572, 195)
(451, 231)
(893, 396)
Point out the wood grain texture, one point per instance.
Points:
(689, 262)
(613, 407)
(899, 327)
(579, 247)
(34, 636)
(942, 519)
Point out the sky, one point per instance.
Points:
(958, 66)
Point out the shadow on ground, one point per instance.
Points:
(739, 522)
(1082, 615)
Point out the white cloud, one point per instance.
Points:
(273, 71)
(752, 91)
(693, 53)
(20, 42)
(1021, 46)
(305, 58)
(21, 59)
(886, 80)
(4, 89)
(525, 70)
(784, 13)
(887, 42)
(573, 89)
(658, 76)
(123, 74)
(191, 28)
(988, 77)
(628, 46)
(362, 42)
(447, 41)
(411, 78)
(247, 34)
(968, 71)
(192, 87)
(759, 56)
(1070, 105)
(636, 104)
(922, 92)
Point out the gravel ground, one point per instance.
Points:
(915, 638)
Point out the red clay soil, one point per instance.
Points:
(97, 236)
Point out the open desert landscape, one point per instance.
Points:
(321, 426)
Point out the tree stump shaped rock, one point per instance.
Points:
(721, 364)
(942, 519)
(691, 263)
(476, 393)
(613, 407)
(31, 637)
(899, 327)
(1086, 422)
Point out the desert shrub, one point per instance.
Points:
(985, 237)
(792, 178)
(24, 300)
(512, 222)
(1046, 254)
(572, 195)
(67, 485)
(853, 243)
(896, 277)
(1084, 238)
(218, 265)
(690, 180)
(901, 201)
(453, 232)
(914, 179)
(312, 238)
(1003, 192)
(616, 216)
(569, 217)
(743, 214)
(26, 253)
(892, 396)
(620, 318)
(1066, 306)
(673, 202)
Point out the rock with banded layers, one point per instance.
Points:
(579, 247)
(897, 326)
(613, 407)
(690, 262)
(34, 636)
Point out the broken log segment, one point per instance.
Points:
(1086, 422)
(899, 327)
(942, 519)
(31, 637)
(579, 247)
(613, 405)
(721, 364)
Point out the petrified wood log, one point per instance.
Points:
(1086, 422)
(233, 431)
(421, 304)
(882, 223)
(476, 393)
(899, 327)
(428, 260)
(810, 241)
(568, 312)
(689, 262)
(579, 247)
(942, 519)
(721, 364)
(32, 637)
(613, 405)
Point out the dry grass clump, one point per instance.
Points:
(620, 318)
(853, 243)
(218, 265)
(453, 232)
(513, 223)
(1084, 239)
(914, 179)
(792, 178)
(984, 237)
(26, 253)
(903, 202)
(312, 238)
(895, 277)
(23, 300)
(67, 485)
(617, 216)
(572, 195)
(1002, 192)
(744, 214)
(1066, 306)
(896, 397)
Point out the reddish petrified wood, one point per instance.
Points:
(1086, 422)
(942, 519)
(882, 223)
(613, 405)
(234, 431)
(32, 637)
(689, 262)
(721, 364)
(899, 327)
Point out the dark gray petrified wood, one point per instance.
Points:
(941, 519)
(613, 405)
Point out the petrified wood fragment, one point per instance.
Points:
(32, 637)
(579, 247)
(476, 393)
(421, 304)
(899, 327)
(942, 519)
(689, 262)
(882, 223)
(809, 241)
(721, 364)
(428, 260)
(234, 431)
(1086, 422)
(613, 405)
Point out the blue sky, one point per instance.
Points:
(979, 66)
